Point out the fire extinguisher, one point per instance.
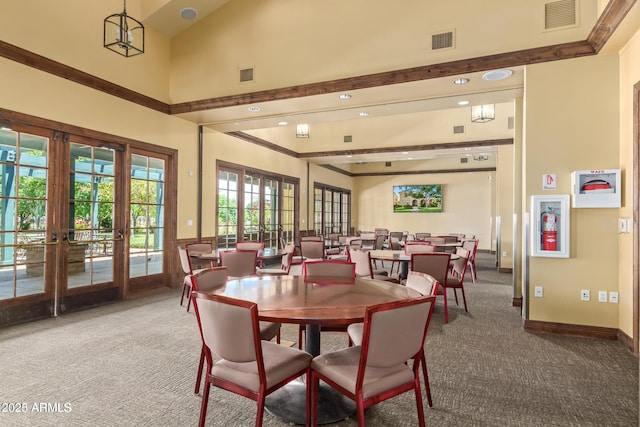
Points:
(549, 230)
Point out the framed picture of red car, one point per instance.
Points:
(596, 188)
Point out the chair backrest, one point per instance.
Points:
(459, 265)
(331, 268)
(313, 249)
(422, 236)
(185, 261)
(209, 279)
(380, 239)
(394, 244)
(472, 246)
(311, 239)
(362, 261)
(418, 248)
(423, 283)
(240, 343)
(403, 323)
(450, 239)
(379, 231)
(199, 247)
(435, 240)
(239, 263)
(435, 264)
(250, 246)
(396, 234)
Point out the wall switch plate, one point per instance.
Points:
(189, 223)
(602, 296)
(504, 253)
(538, 292)
(624, 225)
(585, 295)
(613, 297)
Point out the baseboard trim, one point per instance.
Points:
(516, 302)
(625, 340)
(574, 330)
(505, 270)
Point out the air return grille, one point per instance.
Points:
(559, 14)
(246, 75)
(348, 138)
(458, 129)
(442, 40)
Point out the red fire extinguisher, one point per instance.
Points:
(549, 230)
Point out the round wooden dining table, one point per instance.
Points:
(314, 301)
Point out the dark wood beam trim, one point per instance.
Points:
(609, 20)
(423, 147)
(59, 69)
(574, 330)
(422, 172)
(337, 169)
(446, 69)
(626, 341)
(263, 143)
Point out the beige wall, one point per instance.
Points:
(504, 202)
(566, 131)
(466, 204)
(629, 76)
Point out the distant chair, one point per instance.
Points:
(424, 284)
(201, 247)
(239, 263)
(312, 238)
(472, 247)
(418, 247)
(251, 246)
(364, 266)
(436, 265)
(188, 270)
(312, 249)
(327, 271)
(376, 370)
(368, 239)
(455, 279)
(422, 236)
(245, 364)
(285, 265)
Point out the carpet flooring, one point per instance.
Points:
(133, 363)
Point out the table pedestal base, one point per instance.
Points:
(289, 403)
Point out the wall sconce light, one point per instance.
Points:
(303, 130)
(483, 113)
(123, 34)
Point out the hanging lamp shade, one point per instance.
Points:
(303, 130)
(123, 34)
(483, 113)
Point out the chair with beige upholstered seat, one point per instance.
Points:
(245, 364)
(472, 246)
(188, 270)
(364, 266)
(239, 263)
(424, 284)
(393, 334)
(285, 265)
(436, 265)
(312, 249)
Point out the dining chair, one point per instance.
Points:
(424, 284)
(364, 266)
(327, 272)
(368, 239)
(418, 247)
(317, 238)
(285, 265)
(437, 265)
(376, 370)
(245, 364)
(472, 246)
(239, 263)
(379, 245)
(187, 269)
(209, 280)
(251, 246)
(312, 249)
(455, 279)
(422, 236)
(200, 247)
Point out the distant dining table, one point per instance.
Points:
(267, 254)
(398, 256)
(314, 301)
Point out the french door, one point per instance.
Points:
(263, 209)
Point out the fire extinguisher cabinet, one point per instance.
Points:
(550, 226)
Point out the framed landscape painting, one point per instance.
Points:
(417, 198)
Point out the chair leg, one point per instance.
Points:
(426, 379)
(189, 302)
(473, 272)
(308, 396)
(455, 293)
(205, 402)
(185, 285)
(464, 299)
(199, 377)
(300, 337)
(278, 337)
(360, 412)
(421, 422)
(446, 307)
(260, 410)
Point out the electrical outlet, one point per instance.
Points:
(538, 292)
(602, 296)
(613, 297)
(504, 253)
(585, 295)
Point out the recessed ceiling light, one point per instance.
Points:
(345, 96)
(495, 75)
(461, 81)
(349, 156)
(405, 152)
(188, 13)
(364, 114)
(282, 123)
(254, 108)
(463, 102)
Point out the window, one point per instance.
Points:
(332, 210)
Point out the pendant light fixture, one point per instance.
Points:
(123, 34)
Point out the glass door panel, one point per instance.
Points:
(252, 207)
(270, 215)
(288, 212)
(227, 209)
(146, 241)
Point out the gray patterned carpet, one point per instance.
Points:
(134, 364)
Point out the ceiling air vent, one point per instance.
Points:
(387, 164)
(559, 14)
(347, 138)
(458, 129)
(442, 40)
(463, 160)
(511, 122)
(481, 157)
(246, 75)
